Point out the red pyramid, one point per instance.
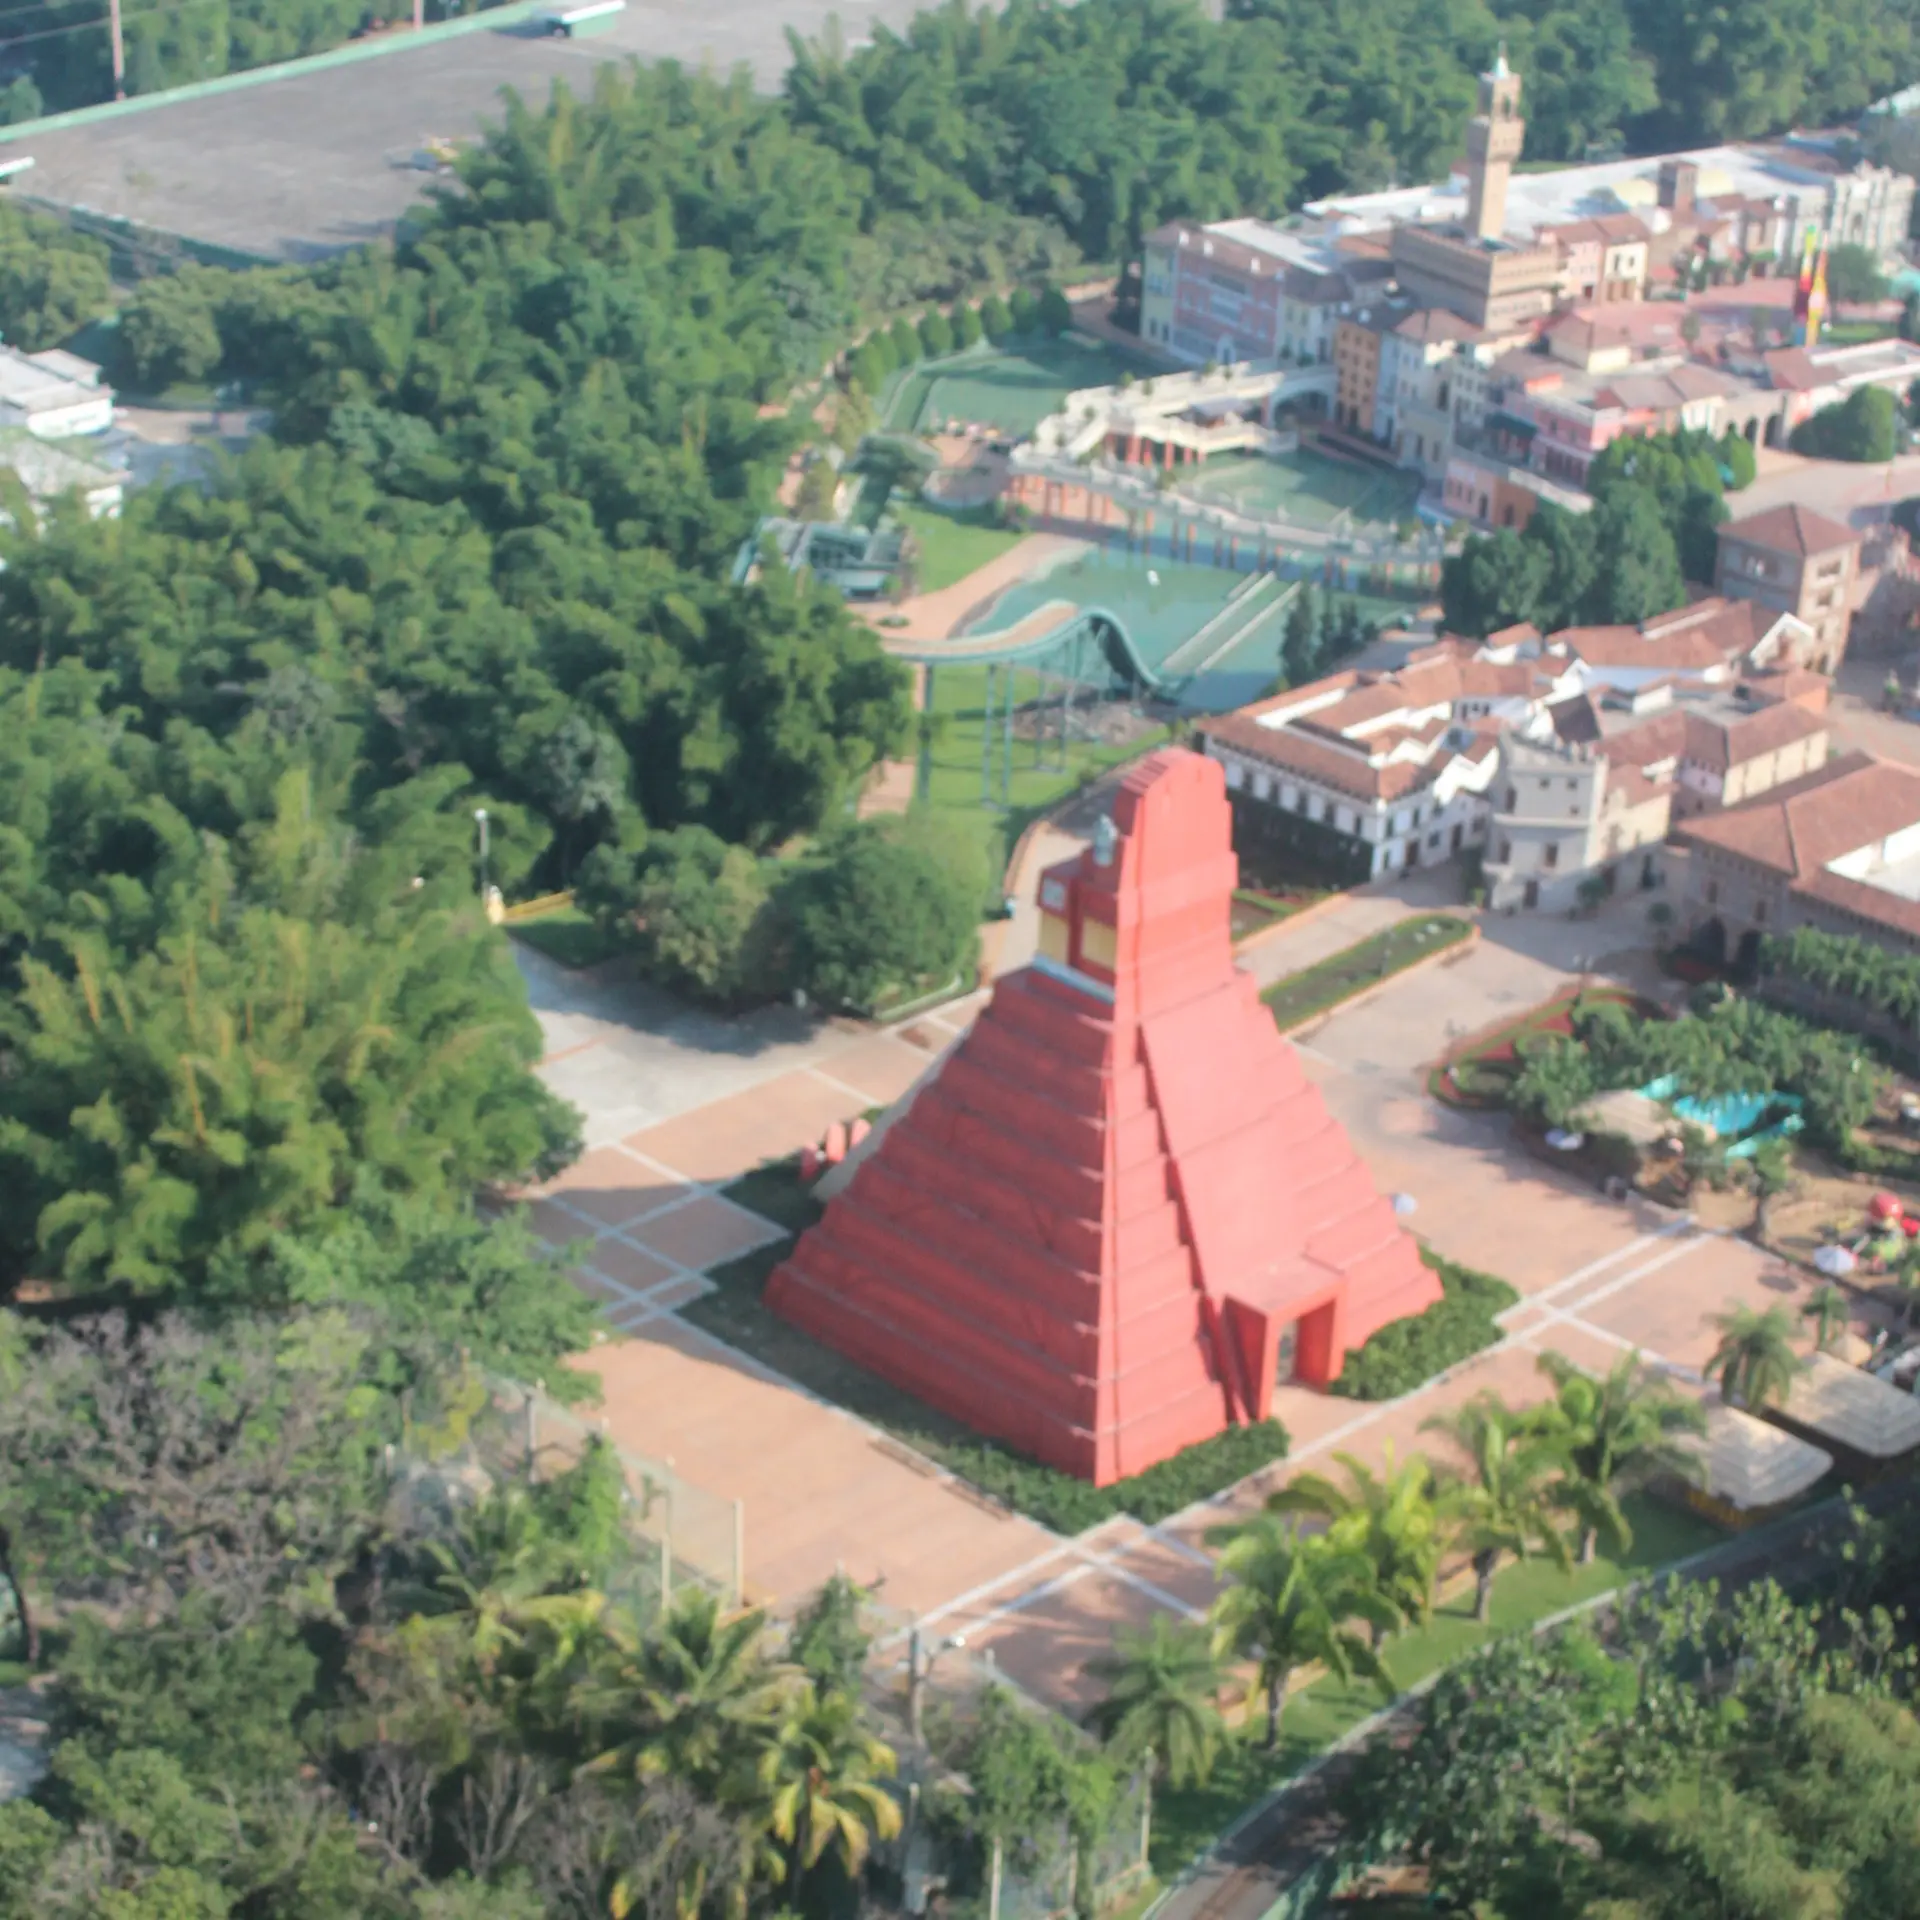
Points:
(1089, 1233)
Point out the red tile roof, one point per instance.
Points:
(1795, 829)
(1791, 529)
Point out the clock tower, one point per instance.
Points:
(1494, 138)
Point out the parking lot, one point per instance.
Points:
(304, 164)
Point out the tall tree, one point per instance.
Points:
(1291, 1601)
(1160, 1685)
(1615, 1435)
(1505, 1504)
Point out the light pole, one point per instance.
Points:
(480, 821)
(920, 1659)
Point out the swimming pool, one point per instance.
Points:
(1744, 1118)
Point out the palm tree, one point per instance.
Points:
(688, 1699)
(1755, 1360)
(1288, 1603)
(1771, 1168)
(1390, 1517)
(1159, 1698)
(1828, 1307)
(820, 1775)
(1614, 1436)
(1505, 1505)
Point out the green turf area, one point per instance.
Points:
(1012, 387)
(1304, 487)
(1364, 964)
(1187, 1820)
(569, 936)
(953, 543)
(734, 1313)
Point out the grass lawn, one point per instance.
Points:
(1364, 964)
(734, 1313)
(568, 936)
(953, 544)
(1184, 1821)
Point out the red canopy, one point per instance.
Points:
(1884, 1206)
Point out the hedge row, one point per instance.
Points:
(1405, 1353)
(1067, 1505)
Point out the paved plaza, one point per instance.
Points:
(679, 1104)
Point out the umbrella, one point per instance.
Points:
(1564, 1141)
(1885, 1206)
(1404, 1204)
(1834, 1261)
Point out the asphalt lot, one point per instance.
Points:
(299, 167)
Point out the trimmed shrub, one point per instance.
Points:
(966, 326)
(1023, 311)
(994, 317)
(1056, 316)
(906, 343)
(1406, 1353)
(936, 334)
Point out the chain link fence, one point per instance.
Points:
(680, 1534)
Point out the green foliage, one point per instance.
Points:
(1290, 1601)
(52, 280)
(1054, 314)
(936, 334)
(830, 1639)
(905, 340)
(994, 317)
(1508, 1501)
(1069, 1504)
(298, 1023)
(1749, 1757)
(1406, 1353)
(1159, 1701)
(885, 905)
(1023, 311)
(1755, 1360)
(967, 328)
(1658, 500)
(168, 331)
(1742, 463)
(1855, 276)
(1864, 426)
(705, 918)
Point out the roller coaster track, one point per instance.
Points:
(1050, 629)
(1056, 626)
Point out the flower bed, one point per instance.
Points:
(1477, 1075)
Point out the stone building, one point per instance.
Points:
(1837, 849)
(1795, 561)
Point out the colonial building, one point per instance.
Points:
(1595, 800)
(1837, 849)
(1365, 773)
(1795, 561)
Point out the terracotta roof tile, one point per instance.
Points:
(1795, 829)
(1791, 529)
(1342, 768)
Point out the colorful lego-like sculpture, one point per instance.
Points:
(1120, 1212)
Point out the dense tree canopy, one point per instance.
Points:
(1657, 500)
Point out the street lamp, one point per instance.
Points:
(480, 821)
(920, 1659)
